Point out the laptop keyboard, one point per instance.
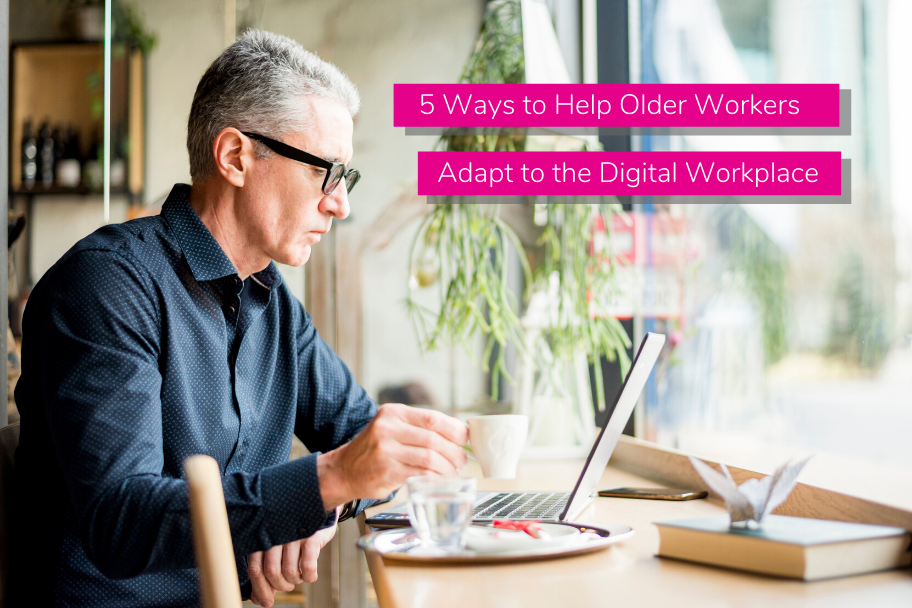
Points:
(522, 505)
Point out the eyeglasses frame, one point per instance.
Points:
(301, 156)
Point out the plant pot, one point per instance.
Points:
(85, 22)
(556, 395)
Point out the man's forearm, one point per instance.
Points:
(142, 525)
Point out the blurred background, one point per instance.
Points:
(790, 327)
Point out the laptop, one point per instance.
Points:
(559, 506)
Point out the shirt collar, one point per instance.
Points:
(206, 258)
(269, 277)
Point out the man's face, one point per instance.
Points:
(283, 203)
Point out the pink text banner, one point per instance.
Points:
(631, 173)
(616, 105)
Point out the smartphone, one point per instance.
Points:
(654, 493)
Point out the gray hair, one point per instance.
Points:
(258, 84)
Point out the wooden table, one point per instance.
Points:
(626, 574)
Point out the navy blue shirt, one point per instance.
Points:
(141, 347)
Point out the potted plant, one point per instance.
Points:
(463, 247)
(84, 20)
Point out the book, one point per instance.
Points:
(791, 547)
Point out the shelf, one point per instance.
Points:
(64, 83)
(64, 191)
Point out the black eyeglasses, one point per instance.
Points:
(335, 172)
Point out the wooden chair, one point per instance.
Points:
(9, 441)
(219, 586)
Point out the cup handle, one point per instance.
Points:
(468, 447)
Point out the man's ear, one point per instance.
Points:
(234, 155)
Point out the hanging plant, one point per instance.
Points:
(578, 272)
(464, 247)
(470, 248)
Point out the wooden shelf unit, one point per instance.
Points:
(64, 82)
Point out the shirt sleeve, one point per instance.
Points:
(100, 382)
(332, 406)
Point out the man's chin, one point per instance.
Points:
(297, 257)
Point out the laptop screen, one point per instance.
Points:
(610, 434)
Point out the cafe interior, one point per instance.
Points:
(743, 338)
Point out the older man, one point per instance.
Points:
(168, 336)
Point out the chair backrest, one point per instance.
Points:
(9, 441)
(219, 586)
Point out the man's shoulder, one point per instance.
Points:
(289, 306)
(290, 312)
(143, 234)
(138, 246)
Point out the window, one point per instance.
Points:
(790, 326)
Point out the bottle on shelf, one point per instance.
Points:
(118, 169)
(69, 167)
(46, 151)
(91, 170)
(29, 156)
(58, 135)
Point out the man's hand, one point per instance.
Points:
(399, 442)
(284, 566)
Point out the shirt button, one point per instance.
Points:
(231, 308)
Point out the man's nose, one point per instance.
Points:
(336, 204)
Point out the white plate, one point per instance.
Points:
(401, 544)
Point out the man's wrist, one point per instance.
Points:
(333, 487)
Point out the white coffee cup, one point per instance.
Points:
(497, 443)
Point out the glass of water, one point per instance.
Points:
(440, 508)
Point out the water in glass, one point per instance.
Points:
(440, 509)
